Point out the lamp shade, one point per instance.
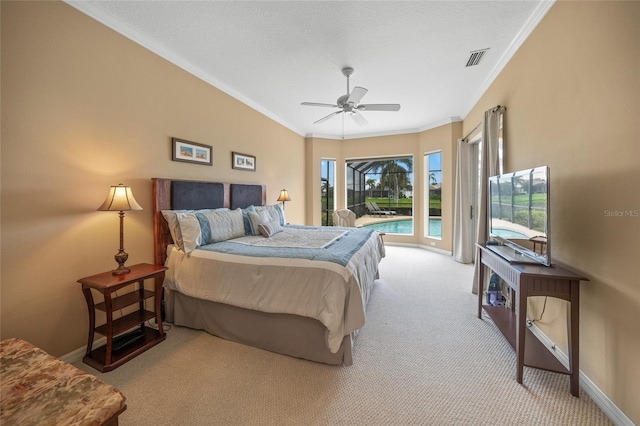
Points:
(120, 198)
(284, 196)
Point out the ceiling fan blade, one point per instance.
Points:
(358, 118)
(327, 117)
(379, 107)
(356, 94)
(317, 104)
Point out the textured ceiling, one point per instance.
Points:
(273, 55)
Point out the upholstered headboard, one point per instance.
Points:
(243, 196)
(176, 194)
(187, 195)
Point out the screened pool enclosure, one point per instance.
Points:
(385, 183)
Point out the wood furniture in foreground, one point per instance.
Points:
(40, 389)
(106, 358)
(533, 280)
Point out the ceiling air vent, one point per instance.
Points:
(476, 57)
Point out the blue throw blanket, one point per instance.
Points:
(338, 251)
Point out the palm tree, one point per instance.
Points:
(432, 178)
(371, 183)
(395, 174)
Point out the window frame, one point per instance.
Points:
(428, 192)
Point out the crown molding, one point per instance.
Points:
(390, 133)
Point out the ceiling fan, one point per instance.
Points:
(348, 103)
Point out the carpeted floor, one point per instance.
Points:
(423, 358)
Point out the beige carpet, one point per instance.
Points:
(423, 358)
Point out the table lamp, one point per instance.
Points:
(284, 196)
(120, 199)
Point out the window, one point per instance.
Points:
(380, 190)
(327, 192)
(433, 199)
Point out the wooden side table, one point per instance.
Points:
(110, 356)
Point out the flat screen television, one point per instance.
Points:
(519, 216)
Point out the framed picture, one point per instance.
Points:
(192, 152)
(243, 161)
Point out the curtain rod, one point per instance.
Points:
(472, 130)
(494, 109)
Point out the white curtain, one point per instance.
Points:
(489, 166)
(463, 241)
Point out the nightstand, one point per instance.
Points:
(121, 346)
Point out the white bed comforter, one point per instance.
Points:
(333, 294)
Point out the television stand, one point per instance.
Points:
(533, 280)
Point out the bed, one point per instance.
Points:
(296, 290)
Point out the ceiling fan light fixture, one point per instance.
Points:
(349, 103)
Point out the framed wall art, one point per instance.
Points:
(243, 161)
(192, 152)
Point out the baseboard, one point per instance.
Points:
(615, 414)
(78, 354)
(437, 250)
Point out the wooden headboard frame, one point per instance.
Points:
(227, 195)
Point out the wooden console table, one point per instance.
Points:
(533, 280)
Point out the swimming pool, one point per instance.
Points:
(405, 226)
(507, 233)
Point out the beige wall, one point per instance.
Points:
(572, 93)
(84, 108)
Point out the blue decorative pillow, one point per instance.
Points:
(247, 221)
(283, 220)
(206, 227)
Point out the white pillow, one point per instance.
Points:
(190, 230)
(274, 211)
(174, 226)
(257, 218)
(270, 228)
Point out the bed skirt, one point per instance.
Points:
(287, 334)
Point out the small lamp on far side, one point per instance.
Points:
(120, 199)
(284, 196)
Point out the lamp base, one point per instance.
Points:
(121, 270)
(121, 257)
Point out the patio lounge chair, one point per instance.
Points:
(376, 211)
(376, 207)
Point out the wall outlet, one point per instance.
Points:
(432, 243)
